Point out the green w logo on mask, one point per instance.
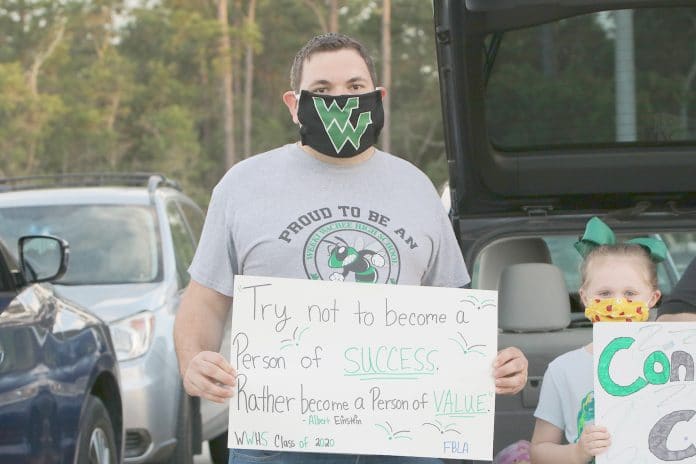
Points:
(337, 124)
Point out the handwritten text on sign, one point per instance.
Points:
(645, 392)
(363, 368)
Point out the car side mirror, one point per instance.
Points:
(43, 258)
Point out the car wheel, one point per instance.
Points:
(219, 453)
(97, 439)
(183, 452)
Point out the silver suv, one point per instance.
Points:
(132, 238)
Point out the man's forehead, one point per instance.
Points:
(351, 80)
(322, 66)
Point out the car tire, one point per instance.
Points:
(219, 452)
(97, 438)
(183, 452)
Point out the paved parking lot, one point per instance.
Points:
(203, 458)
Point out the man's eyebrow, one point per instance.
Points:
(326, 82)
(319, 82)
(356, 79)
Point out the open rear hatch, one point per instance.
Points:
(579, 106)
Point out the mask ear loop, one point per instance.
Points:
(297, 100)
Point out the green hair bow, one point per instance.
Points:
(597, 233)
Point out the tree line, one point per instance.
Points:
(190, 87)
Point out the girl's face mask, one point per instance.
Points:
(617, 310)
(341, 126)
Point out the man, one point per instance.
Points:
(329, 207)
(680, 305)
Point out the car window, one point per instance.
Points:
(109, 244)
(6, 283)
(681, 246)
(194, 218)
(19, 350)
(7, 286)
(182, 242)
(603, 78)
(564, 255)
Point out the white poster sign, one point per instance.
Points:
(645, 392)
(339, 367)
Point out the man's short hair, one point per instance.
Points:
(328, 42)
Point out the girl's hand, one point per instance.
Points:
(593, 441)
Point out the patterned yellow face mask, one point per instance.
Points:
(617, 310)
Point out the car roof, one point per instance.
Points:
(76, 196)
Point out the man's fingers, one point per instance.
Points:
(208, 388)
(506, 355)
(219, 360)
(509, 362)
(510, 385)
(216, 374)
(514, 370)
(508, 382)
(505, 391)
(210, 376)
(214, 399)
(511, 368)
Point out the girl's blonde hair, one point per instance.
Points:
(622, 250)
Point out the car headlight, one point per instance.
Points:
(132, 336)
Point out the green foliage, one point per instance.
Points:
(138, 88)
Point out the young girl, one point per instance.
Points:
(619, 283)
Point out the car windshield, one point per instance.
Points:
(608, 78)
(109, 244)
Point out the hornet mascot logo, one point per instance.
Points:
(353, 259)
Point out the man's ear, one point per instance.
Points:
(383, 91)
(291, 102)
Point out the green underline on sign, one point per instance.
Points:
(388, 374)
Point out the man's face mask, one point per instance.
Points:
(341, 126)
(617, 310)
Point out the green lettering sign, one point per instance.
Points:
(656, 378)
(605, 380)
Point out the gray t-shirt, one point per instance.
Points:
(567, 393)
(284, 213)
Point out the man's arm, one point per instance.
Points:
(198, 330)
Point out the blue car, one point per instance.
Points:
(59, 383)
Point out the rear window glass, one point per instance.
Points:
(681, 246)
(600, 79)
(109, 244)
(564, 255)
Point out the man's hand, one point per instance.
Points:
(510, 371)
(210, 376)
(593, 441)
